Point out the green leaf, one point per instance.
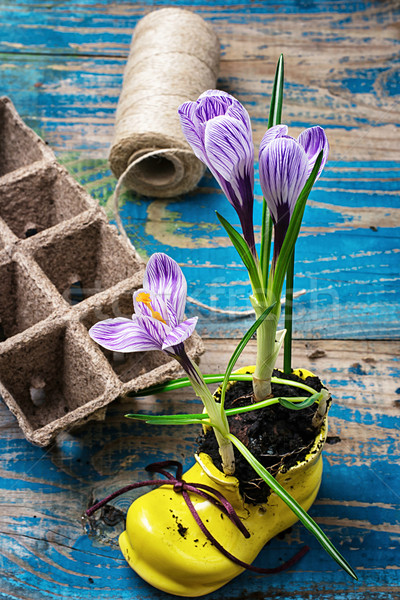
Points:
(161, 418)
(172, 421)
(288, 403)
(293, 230)
(239, 349)
(188, 418)
(275, 110)
(174, 384)
(243, 251)
(183, 382)
(274, 118)
(298, 384)
(266, 239)
(307, 521)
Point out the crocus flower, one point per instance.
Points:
(218, 128)
(158, 322)
(285, 165)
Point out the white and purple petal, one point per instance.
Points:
(313, 141)
(212, 104)
(271, 134)
(154, 329)
(180, 333)
(283, 172)
(230, 155)
(164, 277)
(192, 129)
(124, 335)
(218, 128)
(216, 93)
(172, 318)
(229, 148)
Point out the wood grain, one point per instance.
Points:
(341, 65)
(62, 65)
(347, 256)
(46, 552)
(63, 69)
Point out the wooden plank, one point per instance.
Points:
(341, 73)
(46, 553)
(346, 257)
(71, 101)
(62, 65)
(347, 254)
(340, 64)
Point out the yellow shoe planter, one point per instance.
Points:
(167, 548)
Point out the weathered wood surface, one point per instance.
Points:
(46, 553)
(62, 65)
(341, 65)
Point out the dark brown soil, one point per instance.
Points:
(277, 436)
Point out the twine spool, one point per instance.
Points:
(174, 57)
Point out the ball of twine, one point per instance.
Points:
(174, 57)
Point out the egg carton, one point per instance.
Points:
(63, 267)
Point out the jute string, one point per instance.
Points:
(174, 57)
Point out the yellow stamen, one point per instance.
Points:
(145, 299)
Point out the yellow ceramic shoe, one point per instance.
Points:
(167, 548)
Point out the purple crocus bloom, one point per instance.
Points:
(158, 322)
(285, 165)
(218, 128)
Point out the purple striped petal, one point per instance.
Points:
(192, 130)
(229, 149)
(213, 103)
(172, 318)
(313, 141)
(218, 128)
(180, 333)
(230, 156)
(218, 103)
(283, 173)
(228, 104)
(154, 330)
(271, 134)
(215, 93)
(164, 277)
(238, 111)
(194, 117)
(124, 335)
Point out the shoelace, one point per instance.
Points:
(179, 485)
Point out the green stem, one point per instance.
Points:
(218, 419)
(287, 348)
(266, 352)
(209, 379)
(187, 419)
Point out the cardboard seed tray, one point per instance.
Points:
(63, 267)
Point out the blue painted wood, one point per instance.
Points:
(62, 65)
(47, 552)
(68, 90)
(344, 231)
(346, 257)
